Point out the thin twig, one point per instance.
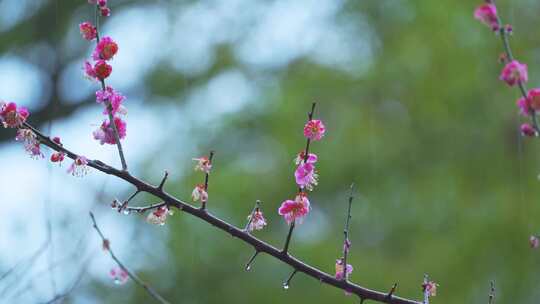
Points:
(132, 275)
(248, 264)
(163, 180)
(288, 239)
(346, 242)
(206, 177)
(492, 293)
(287, 283)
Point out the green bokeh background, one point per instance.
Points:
(446, 186)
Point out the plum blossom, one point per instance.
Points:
(57, 157)
(89, 71)
(11, 115)
(339, 270)
(199, 193)
(105, 11)
(527, 130)
(31, 144)
(514, 73)
(256, 220)
(119, 275)
(311, 159)
(203, 164)
(79, 167)
(429, 288)
(305, 176)
(314, 129)
(159, 216)
(295, 211)
(105, 49)
(487, 14)
(101, 69)
(105, 133)
(88, 31)
(114, 97)
(534, 241)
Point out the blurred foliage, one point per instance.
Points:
(428, 133)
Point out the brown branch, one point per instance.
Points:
(257, 244)
(132, 275)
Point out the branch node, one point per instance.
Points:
(392, 291)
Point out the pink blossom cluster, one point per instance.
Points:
(514, 73)
(14, 116)
(112, 101)
(199, 193)
(305, 176)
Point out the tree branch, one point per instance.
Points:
(258, 245)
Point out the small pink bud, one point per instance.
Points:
(105, 11)
(534, 242)
(88, 31)
(527, 130)
(487, 14)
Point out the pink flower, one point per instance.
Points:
(31, 144)
(88, 31)
(487, 14)
(116, 99)
(199, 193)
(105, 49)
(105, 11)
(514, 73)
(159, 216)
(305, 176)
(533, 97)
(102, 70)
(311, 159)
(339, 270)
(102, 3)
(430, 288)
(105, 133)
(79, 167)
(57, 157)
(314, 129)
(524, 106)
(256, 221)
(203, 164)
(119, 275)
(89, 71)
(527, 130)
(12, 116)
(534, 242)
(295, 211)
